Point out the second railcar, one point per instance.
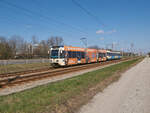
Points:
(113, 55)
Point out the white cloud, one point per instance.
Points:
(112, 31)
(106, 32)
(100, 32)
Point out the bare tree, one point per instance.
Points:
(5, 49)
(18, 45)
(55, 41)
(35, 40)
(3, 39)
(13, 44)
(45, 47)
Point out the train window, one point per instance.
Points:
(82, 54)
(54, 54)
(104, 54)
(62, 54)
(69, 54)
(93, 55)
(74, 54)
(101, 55)
(78, 54)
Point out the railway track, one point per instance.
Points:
(12, 80)
(4, 75)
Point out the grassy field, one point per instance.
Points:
(22, 67)
(55, 97)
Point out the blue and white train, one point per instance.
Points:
(112, 55)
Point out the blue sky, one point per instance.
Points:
(125, 21)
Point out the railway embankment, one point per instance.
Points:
(65, 95)
(14, 68)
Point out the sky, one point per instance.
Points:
(121, 22)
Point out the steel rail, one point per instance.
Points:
(18, 79)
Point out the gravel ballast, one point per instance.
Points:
(22, 87)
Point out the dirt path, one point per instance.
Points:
(131, 94)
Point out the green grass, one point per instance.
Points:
(49, 97)
(22, 67)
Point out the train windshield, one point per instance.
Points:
(57, 54)
(54, 54)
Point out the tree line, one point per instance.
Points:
(17, 47)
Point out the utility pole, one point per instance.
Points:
(108, 46)
(112, 46)
(132, 45)
(84, 41)
(122, 51)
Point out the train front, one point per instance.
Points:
(57, 56)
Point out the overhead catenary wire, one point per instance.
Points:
(42, 16)
(88, 13)
(13, 20)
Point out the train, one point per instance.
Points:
(69, 55)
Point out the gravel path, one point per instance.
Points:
(131, 94)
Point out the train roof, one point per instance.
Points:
(56, 46)
(113, 51)
(102, 51)
(71, 48)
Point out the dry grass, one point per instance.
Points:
(22, 67)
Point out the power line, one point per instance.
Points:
(88, 12)
(42, 16)
(37, 3)
(13, 20)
